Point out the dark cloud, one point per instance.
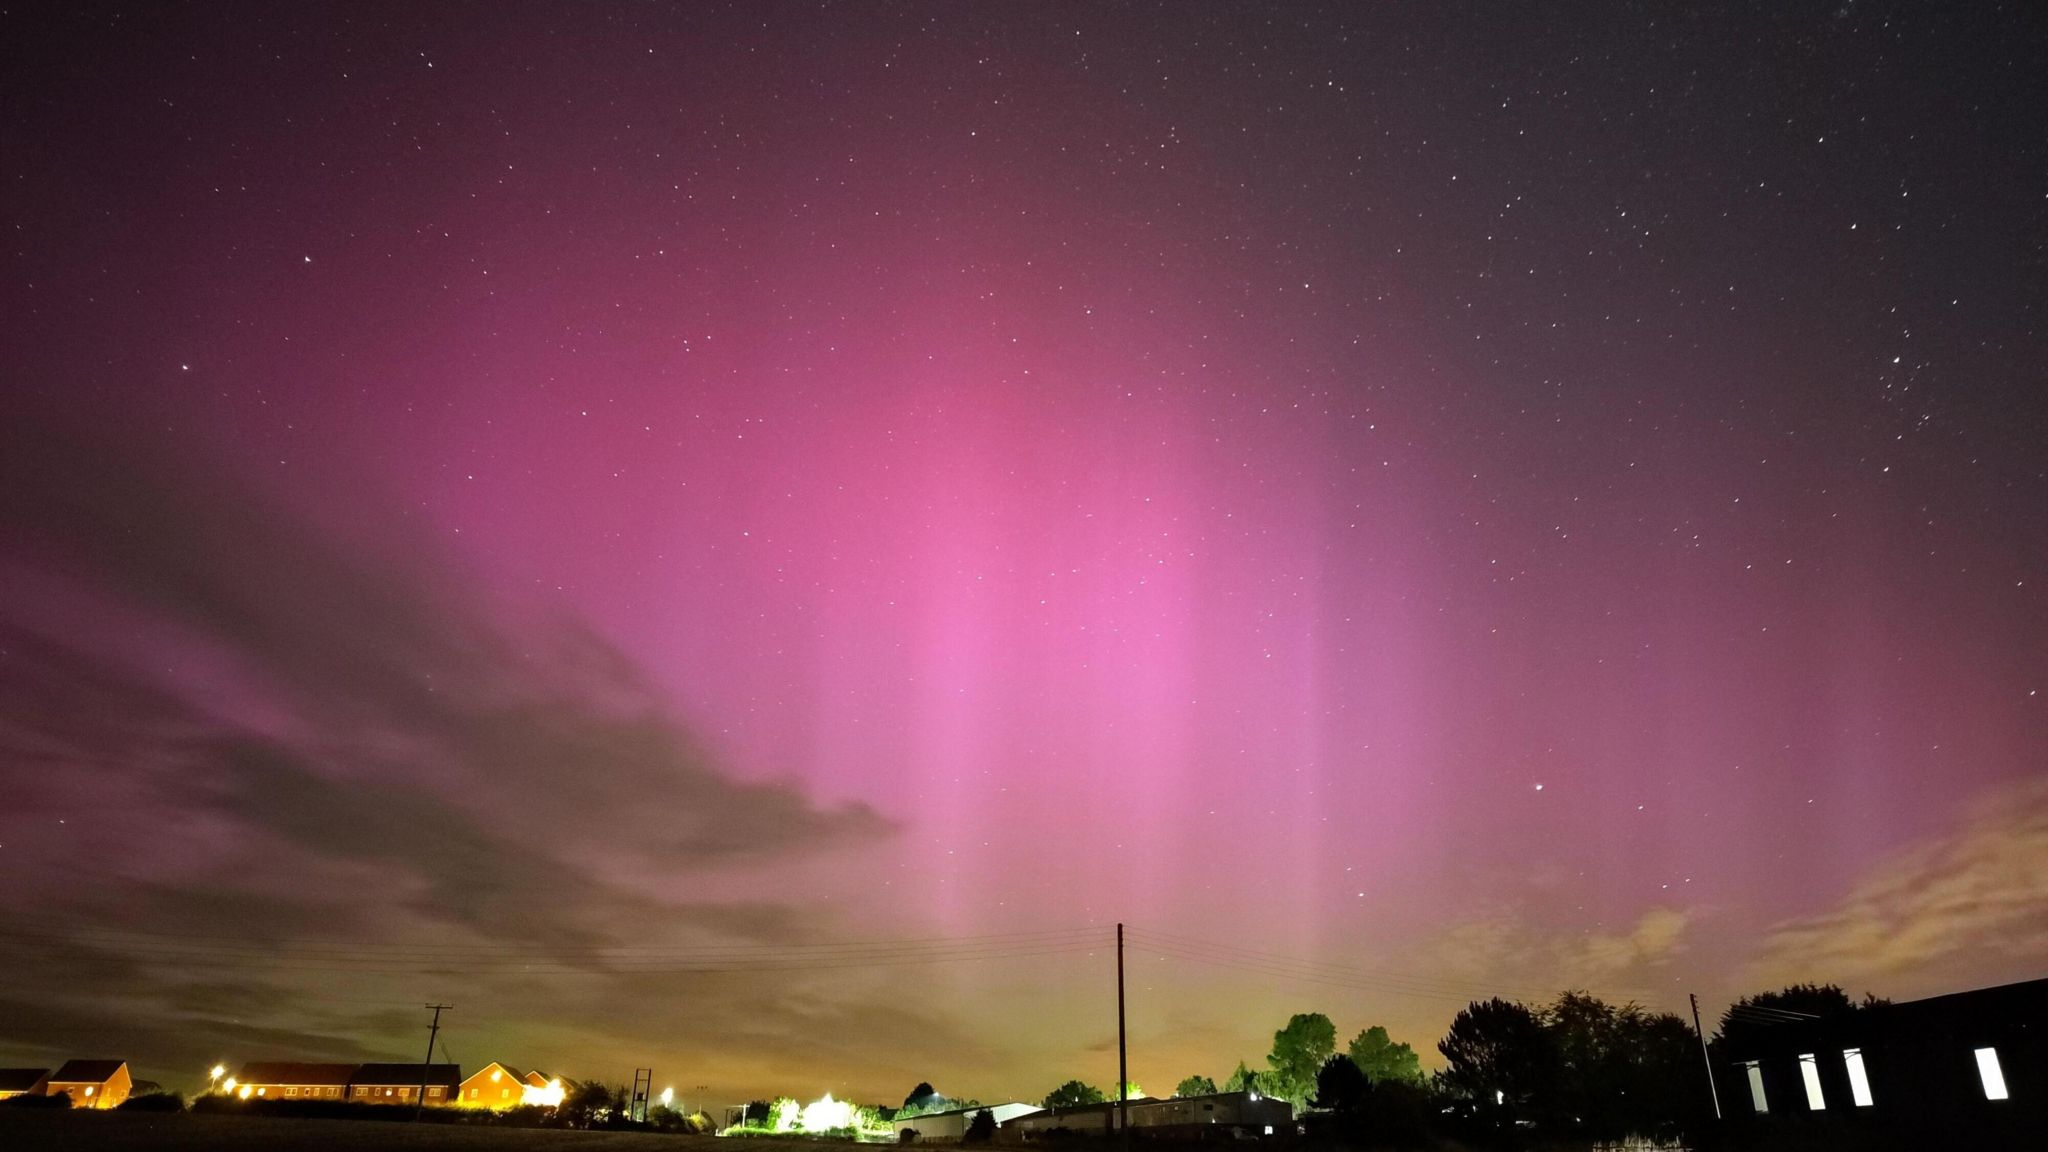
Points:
(224, 727)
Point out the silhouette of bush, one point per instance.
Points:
(152, 1102)
(36, 1102)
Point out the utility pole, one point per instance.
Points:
(1123, 1070)
(433, 1034)
(1704, 1058)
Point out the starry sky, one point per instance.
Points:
(744, 538)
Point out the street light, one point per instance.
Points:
(668, 1096)
(219, 1070)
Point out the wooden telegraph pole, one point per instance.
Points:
(433, 1034)
(1123, 1070)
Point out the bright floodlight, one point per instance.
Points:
(219, 1070)
(668, 1096)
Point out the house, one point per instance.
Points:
(91, 1083)
(1966, 1065)
(1081, 1119)
(1235, 1113)
(281, 1080)
(23, 1082)
(499, 1086)
(400, 1083)
(950, 1127)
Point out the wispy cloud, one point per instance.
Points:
(1964, 908)
(218, 724)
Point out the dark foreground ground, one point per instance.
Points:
(39, 1130)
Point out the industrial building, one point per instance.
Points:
(1968, 1062)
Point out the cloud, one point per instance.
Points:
(1503, 951)
(224, 727)
(1964, 908)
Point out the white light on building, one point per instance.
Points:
(1859, 1080)
(1992, 1075)
(1809, 1071)
(1756, 1087)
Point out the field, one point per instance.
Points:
(64, 1131)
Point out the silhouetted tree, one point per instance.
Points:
(1383, 1060)
(1299, 1051)
(587, 1105)
(153, 1102)
(1073, 1094)
(1243, 1080)
(981, 1128)
(917, 1097)
(1498, 1055)
(1790, 1004)
(1341, 1087)
(1195, 1086)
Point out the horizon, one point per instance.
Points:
(744, 541)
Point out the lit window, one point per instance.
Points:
(1859, 1080)
(472, 1093)
(1809, 1071)
(291, 1091)
(1992, 1075)
(1756, 1087)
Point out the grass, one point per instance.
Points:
(69, 1131)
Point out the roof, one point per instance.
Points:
(22, 1079)
(509, 1071)
(286, 1072)
(412, 1074)
(537, 1078)
(1002, 1112)
(87, 1071)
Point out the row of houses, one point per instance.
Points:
(107, 1083)
(89, 1083)
(1232, 1114)
(494, 1086)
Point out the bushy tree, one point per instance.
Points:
(1195, 1086)
(587, 1105)
(1244, 1080)
(1497, 1054)
(1577, 1068)
(1341, 1087)
(1073, 1094)
(981, 1128)
(919, 1101)
(1795, 1002)
(1382, 1060)
(1299, 1051)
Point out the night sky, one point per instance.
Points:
(619, 517)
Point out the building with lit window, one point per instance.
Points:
(1966, 1063)
(401, 1083)
(23, 1082)
(91, 1083)
(499, 1086)
(281, 1080)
